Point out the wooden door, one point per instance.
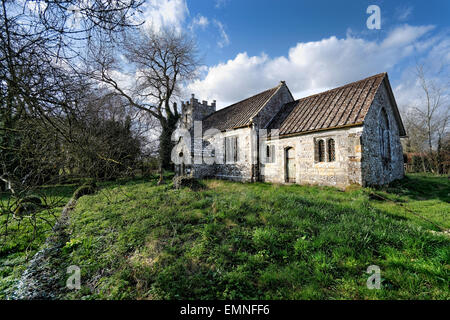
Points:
(290, 165)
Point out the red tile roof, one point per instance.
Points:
(339, 107)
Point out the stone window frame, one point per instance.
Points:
(319, 147)
(325, 141)
(385, 137)
(270, 153)
(331, 150)
(234, 149)
(285, 163)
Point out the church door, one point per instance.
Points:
(290, 165)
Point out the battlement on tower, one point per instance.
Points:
(193, 110)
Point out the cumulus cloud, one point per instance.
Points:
(162, 13)
(436, 64)
(309, 67)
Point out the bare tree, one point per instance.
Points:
(427, 123)
(435, 112)
(433, 95)
(162, 62)
(40, 46)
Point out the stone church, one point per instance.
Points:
(347, 135)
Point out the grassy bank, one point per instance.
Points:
(244, 241)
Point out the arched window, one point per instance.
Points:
(384, 138)
(321, 151)
(331, 150)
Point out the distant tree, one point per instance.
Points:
(106, 144)
(427, 124)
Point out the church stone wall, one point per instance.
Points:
(373, 171)
(358, 157)
(345, 170)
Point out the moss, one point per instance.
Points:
(85, 189)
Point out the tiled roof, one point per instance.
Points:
(238, 114)
(343, 106)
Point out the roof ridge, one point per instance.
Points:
(343, 86)
(257, 94)
(268, 99)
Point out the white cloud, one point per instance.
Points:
(35, 6)
(404, 35)
(199, 21)
(163, 13)
(224, 39)
(403, 13)
(308, 67)
(221, 3)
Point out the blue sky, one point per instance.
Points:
(250, 45)
(273, 26)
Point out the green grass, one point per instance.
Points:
(260, 241)
(426, 195)
(20, 244)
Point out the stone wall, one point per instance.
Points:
(343, 171)
(271, 108)
(241, 170)
(373, 170)
(245, 169)
(193, 110)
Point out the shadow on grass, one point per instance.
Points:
(422, 187)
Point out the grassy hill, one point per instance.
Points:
(246, 241)
(232, 240)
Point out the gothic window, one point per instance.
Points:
(384, 136)
(331, 150)
(321, 151)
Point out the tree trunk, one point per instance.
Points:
(165, 148)
(439, 166)
(423, 163)
(165, 141)
(161, 175)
